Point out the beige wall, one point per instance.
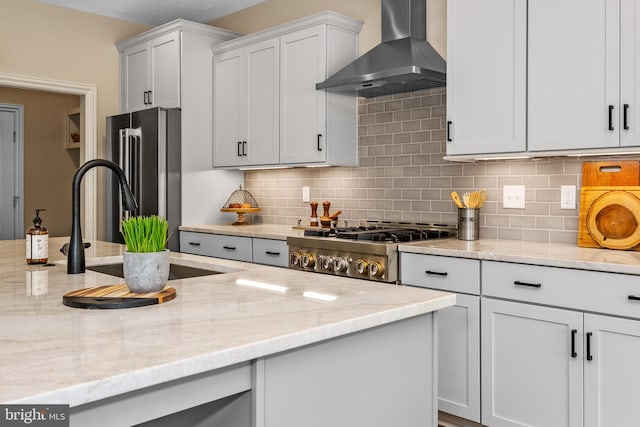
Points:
(275, 12)
(48, 166)
(50, 42)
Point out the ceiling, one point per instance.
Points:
(157, 12)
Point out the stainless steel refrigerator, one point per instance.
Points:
(146, 145)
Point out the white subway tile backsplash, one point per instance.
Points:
(403, 177)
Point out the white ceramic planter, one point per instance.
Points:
(146, 271)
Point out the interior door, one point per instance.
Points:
(10, 217)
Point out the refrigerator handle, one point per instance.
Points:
(127, 157)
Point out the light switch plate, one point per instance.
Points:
(513, 196)
(305, 194)
(567, 197)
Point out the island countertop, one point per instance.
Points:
(52, 353)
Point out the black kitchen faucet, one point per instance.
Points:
(75, 257)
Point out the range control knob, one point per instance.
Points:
(308, 261)
(362, 267)
(294, 258)
(340, 264)
(327, 263)
(376, 269)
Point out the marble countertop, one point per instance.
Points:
(52, 353)
(547, 254)
(264, 231)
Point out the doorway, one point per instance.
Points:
(11, 172)
(88, 149)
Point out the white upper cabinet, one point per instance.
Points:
(245, 105)
(629, 76)
(267, 111)
(151, 63)
(486, 76)
(574, 74)
(151, 73)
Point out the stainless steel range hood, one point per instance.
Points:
(403, 62)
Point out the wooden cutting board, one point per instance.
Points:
(611, 173)
(609, 217)
(115, 296)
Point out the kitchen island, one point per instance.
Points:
(271, 345)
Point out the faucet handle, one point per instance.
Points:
(65, 248)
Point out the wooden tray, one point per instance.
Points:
(115, 296)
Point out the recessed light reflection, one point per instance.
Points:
(261, 285)
(322, 297)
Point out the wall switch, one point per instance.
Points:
(567, 197)
(305, 195)
(513, 197)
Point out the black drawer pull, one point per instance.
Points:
(244, 148)
(449, 131)
(573, 343)
(589, 356)
(319, 136)
(531, 285)
(436, 273)
(611, 117)
(271, 253)
(230, 248)
(239, 148)
(194, 243)
(634, 298)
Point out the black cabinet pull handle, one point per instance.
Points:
(244, 148)
(625, 123)
(194, 243)
(271, 253)
(230, 248)
(145, 97)
(436, 273)
(589, 356)
(573, 343)
(319, 136)
(634, 298)
(239, 148)
(449, 122)
(610, 117)
(531, 285)
(150, 98)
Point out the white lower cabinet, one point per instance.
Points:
(529, 377)
(458, 328)
(611, 371)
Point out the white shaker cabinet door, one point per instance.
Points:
(262, 101)
(228, 108)
(134, 79)
(611, 371)
(486, 76)
(165, 71)
(574, 74)
(530, 376)
(302, 107)
(629, 73)
(459, 358)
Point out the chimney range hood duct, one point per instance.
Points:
(403, 62)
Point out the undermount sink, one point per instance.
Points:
(176, 271)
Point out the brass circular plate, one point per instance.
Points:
(613, 220)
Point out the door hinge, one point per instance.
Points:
(15, 200)
(15, 136)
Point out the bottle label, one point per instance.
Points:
(37, 246)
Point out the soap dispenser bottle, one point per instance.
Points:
(37, 241)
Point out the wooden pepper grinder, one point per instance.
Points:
(314, 214)
(325, 206)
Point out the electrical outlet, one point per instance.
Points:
(567, 197)
(513, 197)
(306, 197)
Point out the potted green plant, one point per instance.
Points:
(146, 260)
